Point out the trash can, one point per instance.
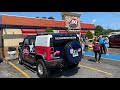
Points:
(12, 53)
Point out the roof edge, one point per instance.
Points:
(29, 17)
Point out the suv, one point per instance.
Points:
(114, 40)
(47, 51)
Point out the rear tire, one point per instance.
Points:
(41, 69)
(73, 65)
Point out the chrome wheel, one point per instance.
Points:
(19, 59)
(40, 69)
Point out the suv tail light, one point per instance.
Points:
(79, 49)
(52, 53)
(52, 50)
(71, 51)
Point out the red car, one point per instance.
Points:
(114, 40)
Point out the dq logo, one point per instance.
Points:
(73, 23)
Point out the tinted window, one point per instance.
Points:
(62, 42)
(112, 36)
(117, 36)
(26, 41)
(32, 40)
(51, 42)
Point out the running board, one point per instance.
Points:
(31, 69)
(29, 64)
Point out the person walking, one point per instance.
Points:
(96, 49)
(106, 42)
(102, 45)
(86, 43)
(82, 44)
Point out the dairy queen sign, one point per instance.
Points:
(73, 23)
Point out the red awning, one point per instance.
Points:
(26, 32)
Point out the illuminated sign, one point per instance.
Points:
(73, 23)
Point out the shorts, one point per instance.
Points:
(106, 45)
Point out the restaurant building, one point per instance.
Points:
(14, 28)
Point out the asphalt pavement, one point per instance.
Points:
(7, 71)
(86, 69)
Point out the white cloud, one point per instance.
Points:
(94, 20)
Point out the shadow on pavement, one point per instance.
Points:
(67, 73)
(92, 60)
(1, 60)
(117, 47)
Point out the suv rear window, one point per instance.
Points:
(61, 42)
(112, 36)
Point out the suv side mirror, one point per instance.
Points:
(21, 43)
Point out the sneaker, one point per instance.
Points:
(96, 61)
(83, 52)
(99, 62)
(107, 54)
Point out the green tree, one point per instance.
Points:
(48, 29)
(89, 35)
(36, 17)
(51, 17)
(44, 17)
(98, 30)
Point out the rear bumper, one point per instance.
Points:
(53, 63)
(57, 63)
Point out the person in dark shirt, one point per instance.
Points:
(96, 49)
(102, 45)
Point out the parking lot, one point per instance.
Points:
(86, 69)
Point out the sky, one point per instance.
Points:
(108, 20)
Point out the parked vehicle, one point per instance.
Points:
(114, 33)
(47, 51)
(114, 40)
(105, 36)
